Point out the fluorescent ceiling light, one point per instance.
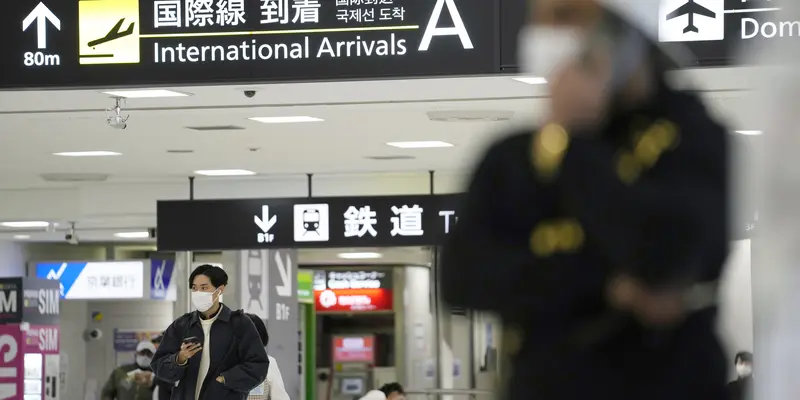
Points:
(531, 80)
(224, 172)
(420, 145)
(749, 133)
(145, 93)
(25, 224)
(360, 256)
(285, 120)
(87, 154)
(133, 235)
(22, 237)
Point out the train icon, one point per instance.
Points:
(311, 223)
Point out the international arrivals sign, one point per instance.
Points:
(130, 42)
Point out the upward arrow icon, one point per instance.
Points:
(41, 14)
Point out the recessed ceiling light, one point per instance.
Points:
(224, 172)
(420, 145)
(25, 224)
(87, 154)
(22, 237)
(145, 93)
(531, 80)
(359, 256)
(285, 120)
(749, 133)
(133, 235)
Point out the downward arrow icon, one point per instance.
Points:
(265, 223)
(285, 272)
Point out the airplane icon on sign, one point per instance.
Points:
(691, 9)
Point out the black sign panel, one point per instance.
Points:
(10, 300)
(713, 31)
(339, 279)
(303, 222)
(128, 42)
(41, 300)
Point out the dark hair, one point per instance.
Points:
(390, 388)
(743, 356)
(260, 327)
(216, 275)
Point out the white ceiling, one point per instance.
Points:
(360, 117)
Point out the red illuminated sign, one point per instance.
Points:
(353, 300)
(354, 349)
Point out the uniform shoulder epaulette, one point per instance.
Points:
(548, 147)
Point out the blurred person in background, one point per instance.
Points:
(163, 389)
(132, 381)
(742, 387)
(619, 233)
(272, 388)
(389, 391)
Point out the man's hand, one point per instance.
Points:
(144, 379)
(187, 351)
(653, 308)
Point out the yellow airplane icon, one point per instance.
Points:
(99, 44)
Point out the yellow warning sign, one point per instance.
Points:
(108, 31)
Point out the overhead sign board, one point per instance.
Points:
(95, 280)
(302, 222)
(129, 42)
(713, 31)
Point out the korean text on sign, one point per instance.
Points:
(369, 11)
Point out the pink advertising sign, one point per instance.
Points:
(11, 362)
(42, 339)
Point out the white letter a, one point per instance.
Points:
(459, 28)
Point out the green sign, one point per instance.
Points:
(305, 286)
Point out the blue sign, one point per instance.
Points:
(90, 280)
(161, 285)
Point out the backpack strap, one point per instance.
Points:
(237, 321)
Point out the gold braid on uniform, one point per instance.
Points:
(548, 147)
(647, 148)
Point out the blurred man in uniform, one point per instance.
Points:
(601, 235)
(132, 381)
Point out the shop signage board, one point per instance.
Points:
(135, 42)
(305, 222)
(349, 349)
(30, 341)
(95, 280)
(162, 286)
(353, 291)
(305, 286)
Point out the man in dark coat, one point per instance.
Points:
(601, 235)
(212, 353)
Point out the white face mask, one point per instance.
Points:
(203, 301)
(744, 370)
(143, 361)
(543, 50)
